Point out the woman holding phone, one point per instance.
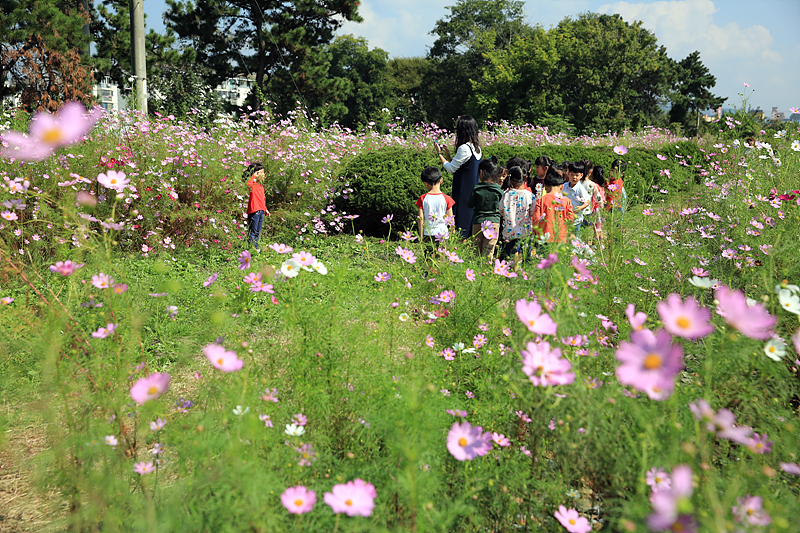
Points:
(464, 167)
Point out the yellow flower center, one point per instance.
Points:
(572, 521)
(348, 502)
(152, 390)
(652, 361)
(298, 502)
(462, 442)
(771, 349)
(220, 361)
(531, 323)
(114, 181)
(683, 322)
(52, 136)
(750, 511)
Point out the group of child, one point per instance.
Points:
(509, 203)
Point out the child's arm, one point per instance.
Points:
(421, 222)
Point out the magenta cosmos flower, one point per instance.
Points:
(545, 366)
(753, 322)
(47, 132)
(465, 442)
(572, 521)
(150, 387)
(211, 279)
(750, 511)
(244, 260)
(650, 363)
(222, 359)
(354, 498)
(530, 314)
(298, 500)
(65, 268)
(684, 318)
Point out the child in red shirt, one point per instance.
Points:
(553, 212)
(256, 205)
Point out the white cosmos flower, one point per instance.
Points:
(319, 267)
(239, 412)
(775, 349)
(404, 317)
(703, 283)
(458, 346)
(294, 430)
(789, 301)
(794, 289)
(796, 146)
(290, 268)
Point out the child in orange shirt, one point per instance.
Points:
(615, 192)
(553, 212)
(257, 204)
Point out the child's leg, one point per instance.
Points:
(491, 243)
(255, 221)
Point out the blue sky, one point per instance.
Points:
(752, 41)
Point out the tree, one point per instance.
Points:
(518, 82)
(285, 38)
(111, 28)
(612, 75)
(692, 82)
(473, 29)
(408, 79)
(40, 51)
(365, 73)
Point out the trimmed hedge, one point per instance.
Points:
(387, 181)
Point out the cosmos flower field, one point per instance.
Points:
(158, 375)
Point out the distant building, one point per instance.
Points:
(757, 114)
(775, 115)
(107, 94)
(235, 90)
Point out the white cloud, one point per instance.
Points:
(684, 26)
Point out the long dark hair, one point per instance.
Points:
(467, 132)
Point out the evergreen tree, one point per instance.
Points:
(691, 85)
(286, 38)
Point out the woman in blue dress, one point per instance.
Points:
(464, 167)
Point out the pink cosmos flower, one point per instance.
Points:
(144, 468)
(222, 359)
(637, 320)
(447, 296)
(796, 341)
(666, 502)
(479, 341)
(102, 281)
(65, 268)
(500, 439)
(581, 268)
(544, 366)
(211, 279)
(354, 498)
(547, 262)
(266, 419)
(113, 180)
(620, 150)
(119, 288)
(470, 274)
(760, 444)
(9, 215)
(244, 260)
(270, 395)
(572, 521)
(753, 322)
(103, 332)
(521, 414)
(47, 132)
(530, 314)
(684, 318)
(150, 387)
(383, 276)
(790, 468)
(721, 422)
(281, 248)
(658, 479)
(304, 259)
(300, 419)
(750, 511)
(158, 424)
(298, 500)
(465, 442)
(252, 277)
(661, 157)
(650, 363)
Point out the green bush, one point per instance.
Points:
(386, 181)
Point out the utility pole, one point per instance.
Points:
(138, 54)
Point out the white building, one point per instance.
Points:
(107, 94)
(235, 90)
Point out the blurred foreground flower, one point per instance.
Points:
(222, 359)
(465, 442)
(150, 387)
(65, 268)
(354, 498)
(298, 500)
(47, 132)
(572, 521)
